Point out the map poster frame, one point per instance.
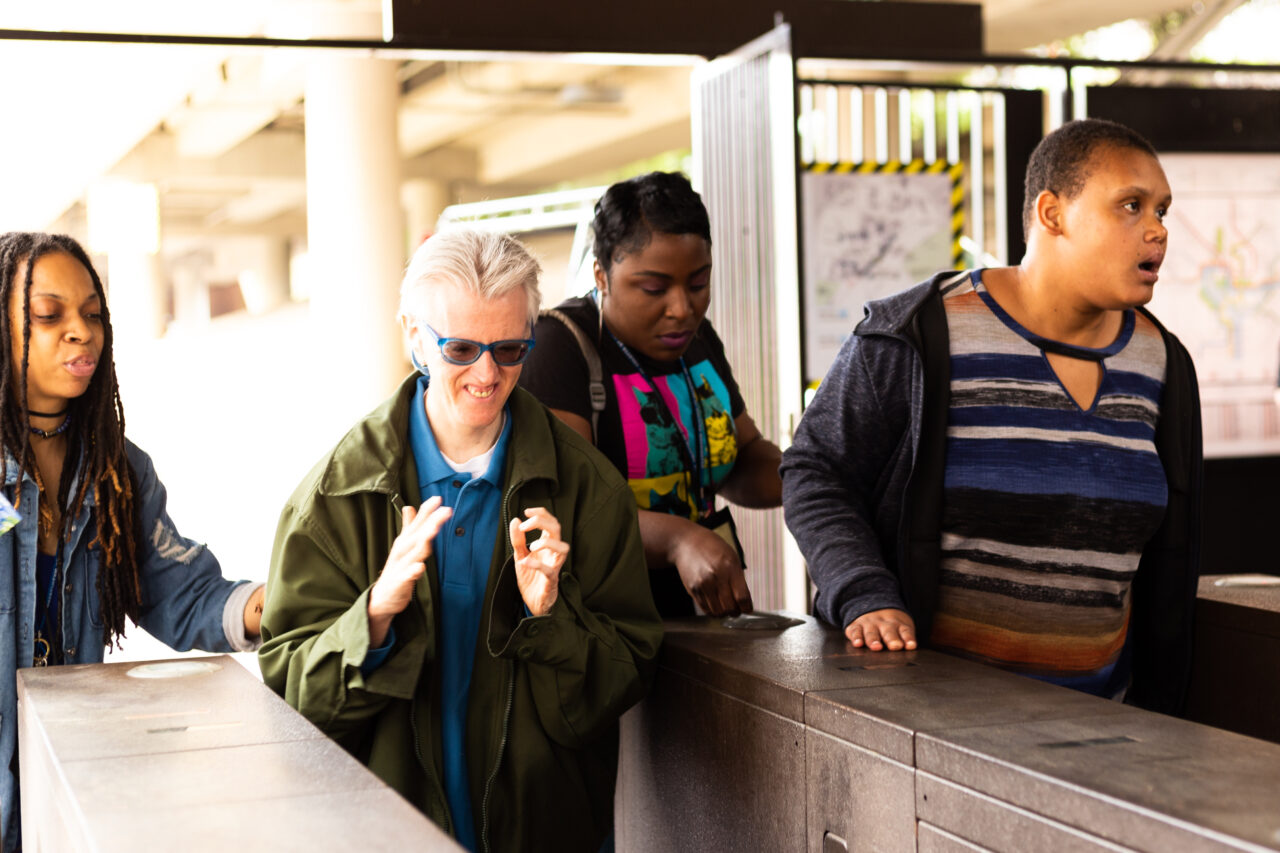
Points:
(870, 230)
(1219, 292)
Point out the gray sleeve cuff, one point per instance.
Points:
(233, 618)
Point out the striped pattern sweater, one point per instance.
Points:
(1047, 506)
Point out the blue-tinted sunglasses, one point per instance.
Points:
(461, 351)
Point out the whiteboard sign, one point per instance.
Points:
(870, 231)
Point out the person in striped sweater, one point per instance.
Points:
(1004, 464)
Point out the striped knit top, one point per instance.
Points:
(1046, 506)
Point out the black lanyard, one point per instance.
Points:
(690, 446)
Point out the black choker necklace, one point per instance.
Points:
(36, 414)
(50, 433)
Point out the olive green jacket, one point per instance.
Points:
(546, 692)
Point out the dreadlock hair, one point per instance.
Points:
(95, 437)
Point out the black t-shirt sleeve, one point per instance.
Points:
(556, 371)
(715, 350)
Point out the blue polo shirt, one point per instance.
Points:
(464, 550)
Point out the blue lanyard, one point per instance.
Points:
(53, 588)
(692, 445)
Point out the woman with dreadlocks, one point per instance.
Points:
(94, 545)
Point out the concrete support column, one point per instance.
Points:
(124, 224)
(354, 227)
(264, 281)
(424, 200)
(191, 289)
(137, 295)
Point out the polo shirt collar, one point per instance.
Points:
(426, 453)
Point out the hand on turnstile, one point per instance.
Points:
(881, 629)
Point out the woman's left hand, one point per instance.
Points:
(538, 565)
(253, 613)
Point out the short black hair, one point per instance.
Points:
(630, 211)
(1060, 162)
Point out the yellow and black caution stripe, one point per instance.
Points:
(955, 171)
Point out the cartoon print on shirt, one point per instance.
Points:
(664, 455)
(722, 449)
(672, 502)
(655, 463)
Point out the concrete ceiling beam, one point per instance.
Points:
(450, 163)
(266, 155)
(243, 95)
(469, 96)
(653, 99)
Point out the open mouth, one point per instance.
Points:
(1150, 269)
(82, 366)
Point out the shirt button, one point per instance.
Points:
(67, 588)
(524, 653)
(71, 652)
(457, 484)
(459, 531)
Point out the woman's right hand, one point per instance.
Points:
(711, 571)
(406, 563)
(881, 629)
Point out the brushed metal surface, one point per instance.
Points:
(992, 824)
(1235, 670)
(1015, 764)
(863, 798)
(774, 669)
(1138, 779)
(227, 707)
(932, 839)
(701, 770)
(887, 719)
(204, 762)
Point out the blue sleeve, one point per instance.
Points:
(374, 658)
(183, 590)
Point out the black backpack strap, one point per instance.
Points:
(595, 371)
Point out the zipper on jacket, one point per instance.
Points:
(502, 745)
(417, 747)
(397, 504)
(511, 691)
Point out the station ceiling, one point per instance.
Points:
(220, 129)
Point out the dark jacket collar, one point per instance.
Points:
(893, 315)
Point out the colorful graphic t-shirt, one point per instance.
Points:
(636, 429)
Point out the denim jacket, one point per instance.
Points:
(183, 600)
